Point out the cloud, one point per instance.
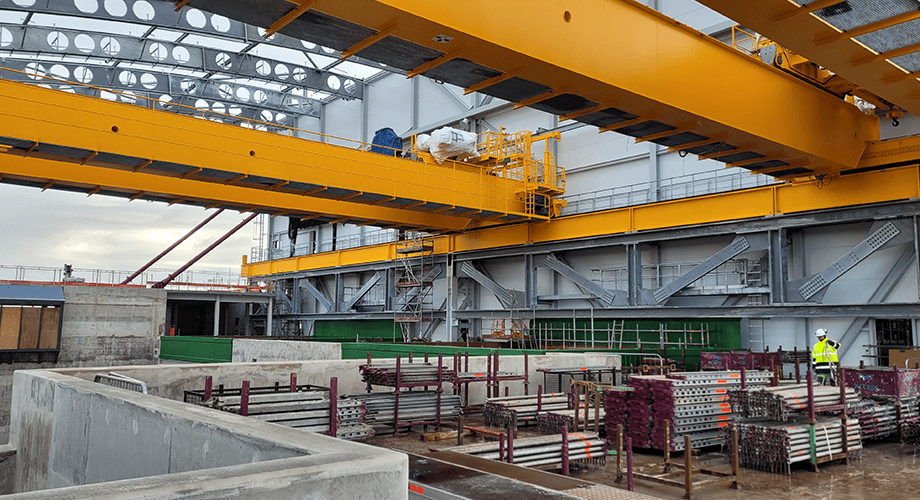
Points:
(51, 228)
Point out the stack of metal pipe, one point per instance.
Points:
(780, 402)
(307, 410)
(384, 373)
(772, 446)
(877, 419)
(414, 406)
(542, 450)
(516, 410)
(691, 403)
(552, 422)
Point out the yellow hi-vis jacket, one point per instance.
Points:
(823, 354)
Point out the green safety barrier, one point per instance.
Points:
(197, 349)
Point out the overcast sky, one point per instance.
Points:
(54, 228)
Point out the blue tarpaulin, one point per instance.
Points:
(386, 142)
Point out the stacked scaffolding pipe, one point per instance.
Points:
(876, 419)
(414, 406)
(779, 403)
(309, 410)
(543, 450)
(689, 403)
(517, 410)
(773, 446)
(384, 373)
(552, 422)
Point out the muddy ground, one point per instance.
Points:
(886, 471)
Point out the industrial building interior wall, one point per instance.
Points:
(604, 161)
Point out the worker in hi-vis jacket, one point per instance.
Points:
(824, 357)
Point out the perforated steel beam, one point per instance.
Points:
(163, 14)
(815, 286)
(737, 246)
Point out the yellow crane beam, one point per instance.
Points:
(37, 171)
(640, 72)
(133, 138)
(838, 38)
(883, 180)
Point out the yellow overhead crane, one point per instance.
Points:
(68, 141)
(615, 64)
(647, 83)
(874, 45)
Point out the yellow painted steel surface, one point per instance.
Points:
(623, 54)
(858, 189)
(807, 34)
(89, 178)
(92, 127)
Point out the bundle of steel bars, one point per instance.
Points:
(689, 403)
(307, 410)
(385, 373)
(542, 450)
(414, 406)
(518, 410)
(552, 422)
(780, 402)
(773, 446)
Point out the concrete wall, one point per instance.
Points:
(7, 468)
(68, 432)
(101, 327)
(250, 350)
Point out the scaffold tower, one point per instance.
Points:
(415, 275)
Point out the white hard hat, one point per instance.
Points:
(820, 332)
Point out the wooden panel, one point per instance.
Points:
(28, 333)
(9, 327)
(51, 319)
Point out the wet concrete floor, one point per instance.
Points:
(885, 471)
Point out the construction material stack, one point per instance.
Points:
(781, 402)
(381, 408)
(308, 410)
(663, 408)
(894, 394)
(542, 451)
(430, 408)
(775, 446)
(513, 411)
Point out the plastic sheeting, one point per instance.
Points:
(448, 142)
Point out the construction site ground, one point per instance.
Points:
(886, 470)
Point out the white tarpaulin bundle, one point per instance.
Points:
(449, 142)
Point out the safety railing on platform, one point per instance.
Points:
(674, 188)
(732, 273)
(189, 280)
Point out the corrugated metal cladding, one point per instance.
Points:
(31, 295)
